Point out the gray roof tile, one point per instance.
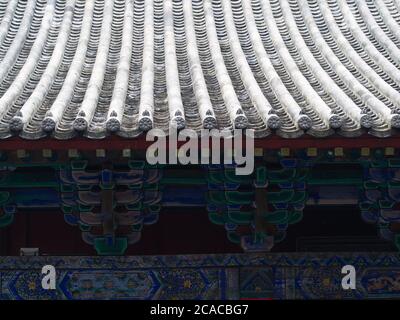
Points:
(71, 67)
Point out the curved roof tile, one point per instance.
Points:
(284, 67)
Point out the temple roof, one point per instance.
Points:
(280, 67)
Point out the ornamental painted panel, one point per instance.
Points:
(230, 276)
(322, 283)
(95, 284)
(106, 284)
(256, 283)
(381, 282)
(325, 283)
(25, 285)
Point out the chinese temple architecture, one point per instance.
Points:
(82, 82)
